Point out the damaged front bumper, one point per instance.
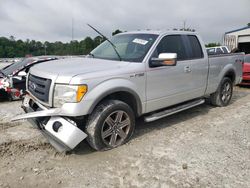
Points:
(60, 131)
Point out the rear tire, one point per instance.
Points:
(223, 95)
(111, 124)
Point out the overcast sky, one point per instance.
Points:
(51, 20)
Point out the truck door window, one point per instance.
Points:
(196, 50)
(171, 44)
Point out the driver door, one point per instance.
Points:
(169, 85)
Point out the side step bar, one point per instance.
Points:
(173, 110)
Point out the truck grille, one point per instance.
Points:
(39, 87)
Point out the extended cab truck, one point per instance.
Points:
(144, 73)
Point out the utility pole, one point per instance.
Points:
(184, 25)
(72, 35)
(72, 28)
(45, 53)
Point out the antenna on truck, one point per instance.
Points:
(112, 44)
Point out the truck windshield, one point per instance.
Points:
(131, 47)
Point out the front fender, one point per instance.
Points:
(108, 87)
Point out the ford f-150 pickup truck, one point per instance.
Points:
(144, 73)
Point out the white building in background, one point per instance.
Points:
(239, 38)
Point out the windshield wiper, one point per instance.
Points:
(112, 44)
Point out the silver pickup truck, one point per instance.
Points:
(144, 73)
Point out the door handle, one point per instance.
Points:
(187, 69)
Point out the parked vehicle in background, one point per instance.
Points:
(144, 73)
(218, 50)
(13, 77)
(246, 71)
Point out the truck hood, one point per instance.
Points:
(65, 69)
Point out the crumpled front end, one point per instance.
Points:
(62, 132)
(6, 86)
(4, 83)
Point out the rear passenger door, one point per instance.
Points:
(166, 85)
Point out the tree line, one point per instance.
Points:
(10, 47)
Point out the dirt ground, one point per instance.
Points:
(201, 147)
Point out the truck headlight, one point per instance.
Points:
(68, 94)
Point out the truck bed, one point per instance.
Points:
(226, 62)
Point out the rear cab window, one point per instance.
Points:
(195, 47)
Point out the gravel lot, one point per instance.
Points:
(201, 147)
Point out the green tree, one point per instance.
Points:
(116, 32)
(213, 44)
(10, 52)
(1, 52)
(87, 45)
(98, 40)
(10, 47)
(12, 38)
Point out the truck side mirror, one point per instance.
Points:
(164, 59)
(22, 73)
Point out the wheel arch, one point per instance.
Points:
(230, 74)
(124, 94)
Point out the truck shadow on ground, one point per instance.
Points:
(4, 99)
(143, 127)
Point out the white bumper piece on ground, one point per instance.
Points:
(61, 132)
(64, 132)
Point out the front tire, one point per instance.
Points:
(111, 124)
(223, 95)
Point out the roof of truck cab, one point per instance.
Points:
(159, 32)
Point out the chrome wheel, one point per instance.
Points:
(115, 128)
(226, 92)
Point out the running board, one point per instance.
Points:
(173, 110)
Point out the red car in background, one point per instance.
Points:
(246, 71)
